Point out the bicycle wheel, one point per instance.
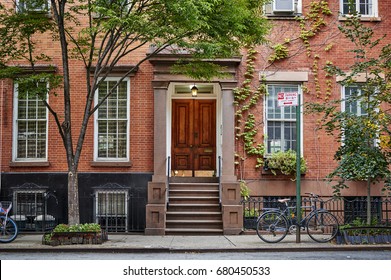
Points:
(8, 230)
(322, 226)
(272, 226)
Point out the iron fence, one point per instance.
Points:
(30, 210)
(346, 209)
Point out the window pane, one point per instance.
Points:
(112, 122)
(31, 127)
(281, 121)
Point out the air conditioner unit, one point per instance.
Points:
(283, 6)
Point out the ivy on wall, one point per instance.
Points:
(245, 99)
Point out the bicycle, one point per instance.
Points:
(274, 224)
(8, 227)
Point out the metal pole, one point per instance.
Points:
(298, 173)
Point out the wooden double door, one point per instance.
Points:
(193, 136)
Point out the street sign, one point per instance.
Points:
(286, 99)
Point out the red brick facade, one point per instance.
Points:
(318, 148)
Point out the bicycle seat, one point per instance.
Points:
(284, 200)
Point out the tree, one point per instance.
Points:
(104, 33)
(363, 128)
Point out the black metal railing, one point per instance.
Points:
(346, 209)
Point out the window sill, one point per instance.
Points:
(362, 18)
(111, 164)
(29, 164)
(282, 16)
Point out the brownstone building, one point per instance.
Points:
(164, 162)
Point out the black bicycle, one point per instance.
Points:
(275, 223)
(8, 227)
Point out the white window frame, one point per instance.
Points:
(96, 126)
(15, 133)
(282, 119)
(374, 12)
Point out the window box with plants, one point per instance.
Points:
(283, 163)
(62, 234)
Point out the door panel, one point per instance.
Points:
(194, 135)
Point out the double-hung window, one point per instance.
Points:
(280, 126)
(30, 127)
(112, 121)
(366, 8)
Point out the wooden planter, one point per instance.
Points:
(69, 238)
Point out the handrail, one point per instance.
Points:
(168, 180)
(219, 172)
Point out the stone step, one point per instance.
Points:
(194, 200)
(194, 224)
(190, 231)
(194, 207)
(211, 216)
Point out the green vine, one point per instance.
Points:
(311, 23)
(245, 98)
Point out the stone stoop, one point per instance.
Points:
(194, 208)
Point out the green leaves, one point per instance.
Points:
(285, 162)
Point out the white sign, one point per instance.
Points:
(286, 99)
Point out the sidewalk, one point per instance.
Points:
(142, 243)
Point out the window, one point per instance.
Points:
(363, 7)
(112, 121)
(30, 128)
(111, 210)
(280, 121)
(23, 6)
(351, 101)
(28, 204)
(283, 7)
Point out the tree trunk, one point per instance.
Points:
(369, 218)
(73, 198)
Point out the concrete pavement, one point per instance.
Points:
(143, 243)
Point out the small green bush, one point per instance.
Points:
(285, 162)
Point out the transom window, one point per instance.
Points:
(112, 121)
(363, 7)
(30, 129)
(280, 121)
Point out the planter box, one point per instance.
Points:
(69, 238)
(366, 235)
